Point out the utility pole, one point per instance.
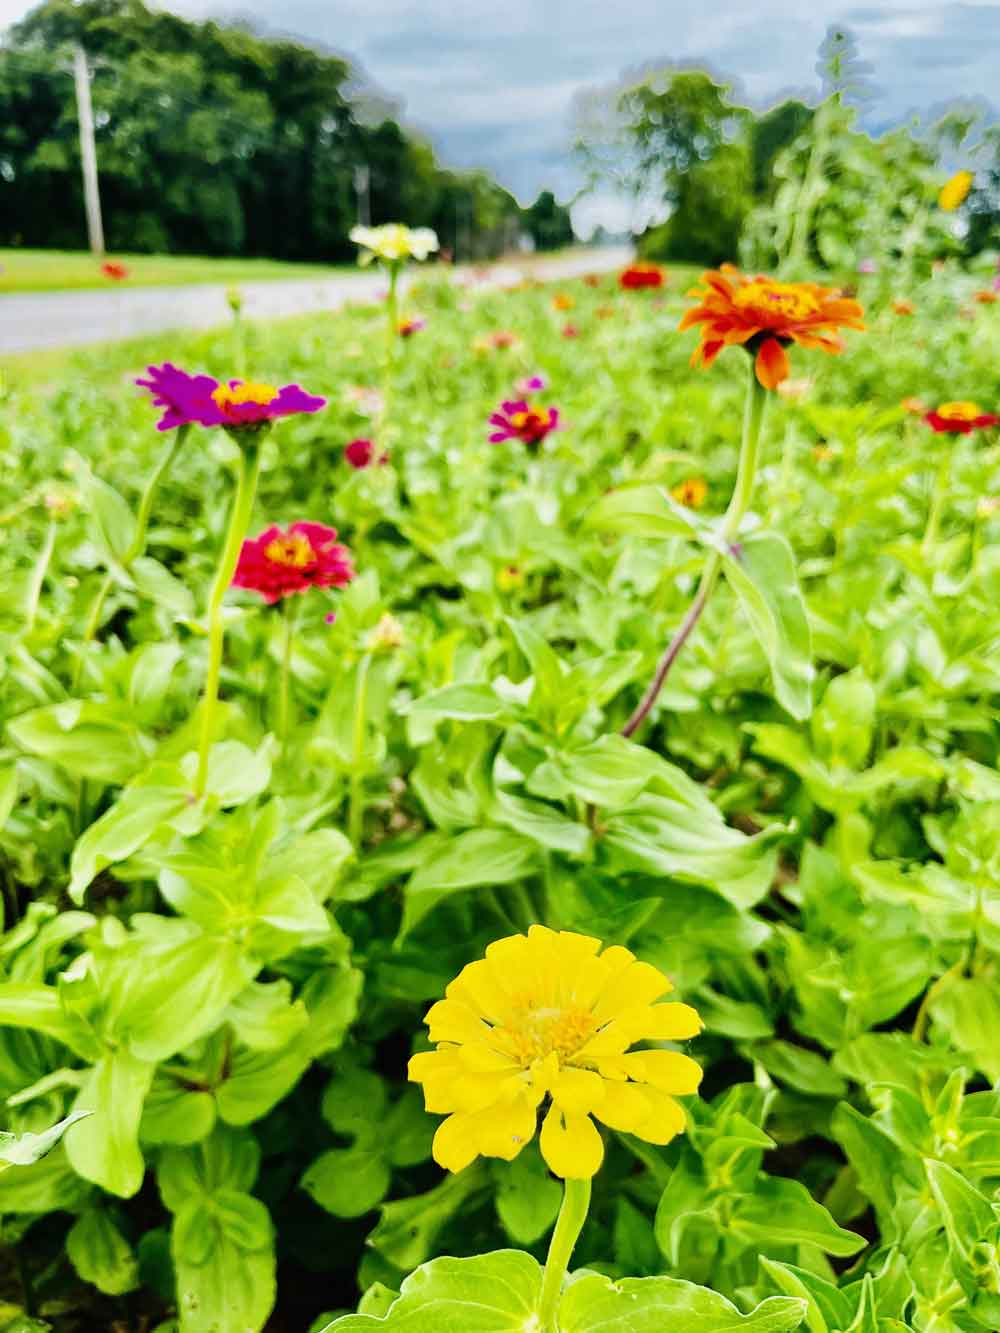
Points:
(362, 188)
(88, 152)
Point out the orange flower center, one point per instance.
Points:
(781, 300)
(963, 411)
(537, 1033)
(294, 551)
(527, 420)
(226, 397)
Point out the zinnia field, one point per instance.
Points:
(500, 813)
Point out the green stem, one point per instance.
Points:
(239, 347)
(90, 629)
(138, 543)
(939, 499)
(356, 805)
(239, 521)
(34, 594)
(286, 670)
(569, 1224)
(739, 502)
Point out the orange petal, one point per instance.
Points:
(772, 364)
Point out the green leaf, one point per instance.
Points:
(642, 511)
(829, 1310)
(527, 1197)
(104, 1148)
(408, 1228)
(596, 1304)
(87, 739)
(969, 1217)
(123, 829)
(26, 1149)
(783, 1212)
(761, 571)
(462, 703)
(478, 856)
(348, 1182)
(112, 520)
(156, 583)
(491, 1293)
(236, 774)
(223, 1253)
(101, 1254)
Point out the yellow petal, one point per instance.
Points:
(477, 986)
(667, 1070)
(503, 1130)
(577, 1091)
(659, 1022)
(639, 983)
(474, 1092)
(610, 1041)
(571, 1145)
(454, 1144)
(624, 1107)
(665, 1121)
(450, 1020)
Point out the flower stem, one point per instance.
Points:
(286, 670)
(569, 1224)
(939, 499)
(739, 502)
(138, 543)
(356, 805)
(239, 521)
(34, 593)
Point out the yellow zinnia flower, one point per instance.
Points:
(953, 194)
(548, 1015)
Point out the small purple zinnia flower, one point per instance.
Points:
(202, 400)
(868, 266)
(531, 384)
(518, 421)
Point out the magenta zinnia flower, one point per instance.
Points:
(202, 400)
(531, 384)
(277, 564)
(518, 421)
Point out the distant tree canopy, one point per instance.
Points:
(214, 140)
(795, 186)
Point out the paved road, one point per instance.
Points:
(66, 319)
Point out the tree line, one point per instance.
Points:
(214, 140)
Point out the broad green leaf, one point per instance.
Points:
(89, 740)
(761, 571)
(527, 1197)
(101, 1254)
(223, 1252)
(407, 1228)
(156, 583)
(491, 1293)
(478, 856)
(642, 511)
(348, 1182)
(462, 703)
(829, 1310)
(236, 773)
(104, 1148)
(120, 831)
(783, 1212)
(596, 1304)
(969, 1217)
(175, 1113)
(112, 520)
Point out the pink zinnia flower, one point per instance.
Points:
(277, 563)
(406, 328)
(531, 384)
(202, 400)
(570, 331)
(518, 421)
(868, 266)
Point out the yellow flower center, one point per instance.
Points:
(262, 394)
(964, 411)
(788, 300)
(539, 1032)
(293, 551)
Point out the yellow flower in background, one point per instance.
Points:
(953, 194)
(394, 242)
(548, 1016)
(692, 492)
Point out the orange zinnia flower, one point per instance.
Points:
(902, 307)
(763, 314)
(691, 492)
(985, 297)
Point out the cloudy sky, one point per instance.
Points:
(492, 82)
